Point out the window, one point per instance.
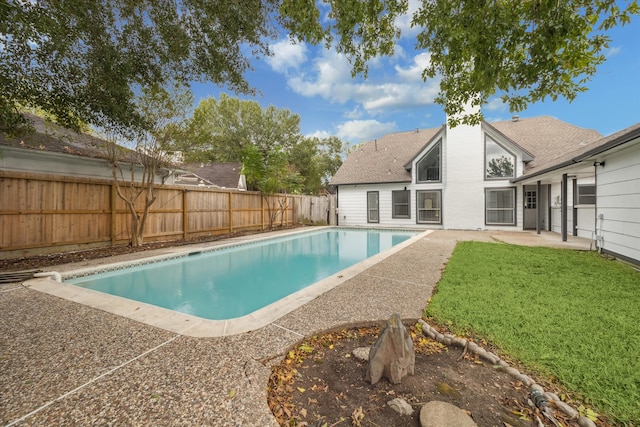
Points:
(530, 199)
(499, 163)
(500, 204)
(428, 167)
(429, 206)
(400, 201)
(587, 194)
(372, 206)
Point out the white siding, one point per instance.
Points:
(618, 202)
(463, 195)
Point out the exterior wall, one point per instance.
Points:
(463, 175)
(618, 202)
(462, 187)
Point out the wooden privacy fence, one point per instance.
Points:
(44, 214)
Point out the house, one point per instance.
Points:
(221, 175)
(55, 150)
(535, 173)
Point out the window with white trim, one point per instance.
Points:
(429, 206)
(500, 206)
(373, 210)
(428, 167)
(499, 162)
(586, 194)
(400, 200)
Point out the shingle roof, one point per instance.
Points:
(383, 159)
(51, 137)
(545, 138)
(584, 151)
(226, 175)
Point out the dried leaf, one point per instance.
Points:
(232, 394)
(300, 389)
(303, 413)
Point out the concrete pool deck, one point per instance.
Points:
(67, 363)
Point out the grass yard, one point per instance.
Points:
(570, 315)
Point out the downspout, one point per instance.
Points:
(598, 237)
(563, 207)
(538, 208)
(573, 205)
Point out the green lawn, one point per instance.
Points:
(574, 316)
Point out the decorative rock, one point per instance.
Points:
(443, 414)
(566, 409)
(503, 364)
(512, 371)
(472, 347)
(460, 342)
(392, 356)
(537, 387)
(400, 406)
(525, 379)
(552, 396)
(361, 353)
(585, 422)
(492, 358)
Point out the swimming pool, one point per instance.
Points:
(239, 280)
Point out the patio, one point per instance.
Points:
(66, 363)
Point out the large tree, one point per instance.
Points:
(317, 160)
(220, 130)
(521, 50)
(83, 60)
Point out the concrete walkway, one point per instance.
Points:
(63, 363)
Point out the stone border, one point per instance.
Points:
(492, 358)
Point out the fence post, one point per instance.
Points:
(230, 213)
(185, 215)
(114, 212)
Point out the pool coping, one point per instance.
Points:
(193, 326)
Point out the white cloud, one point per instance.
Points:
(414, 72)
(320, 134)
(612, 52)
(357, 131)
(404, 22)
(287, 55)
(495, 104)
(330, 78)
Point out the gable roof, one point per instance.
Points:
(225, 175)
(384, 159)
(586, 151)
(543, 139)
(546, 138)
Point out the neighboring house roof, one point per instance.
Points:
(49, 136)
(545, 139)
(383, 159)
(225, 175)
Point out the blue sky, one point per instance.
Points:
(316, 84)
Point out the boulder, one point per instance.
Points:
(400, 406)
(392, 356)
(443, 414)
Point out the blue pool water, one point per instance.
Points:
(235, 281)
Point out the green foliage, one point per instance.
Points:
(568, 314)
(235, 130)
(317, 160)
(524, 51)
(221, 129)
(86, 60)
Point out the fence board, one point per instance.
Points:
(44, 213)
